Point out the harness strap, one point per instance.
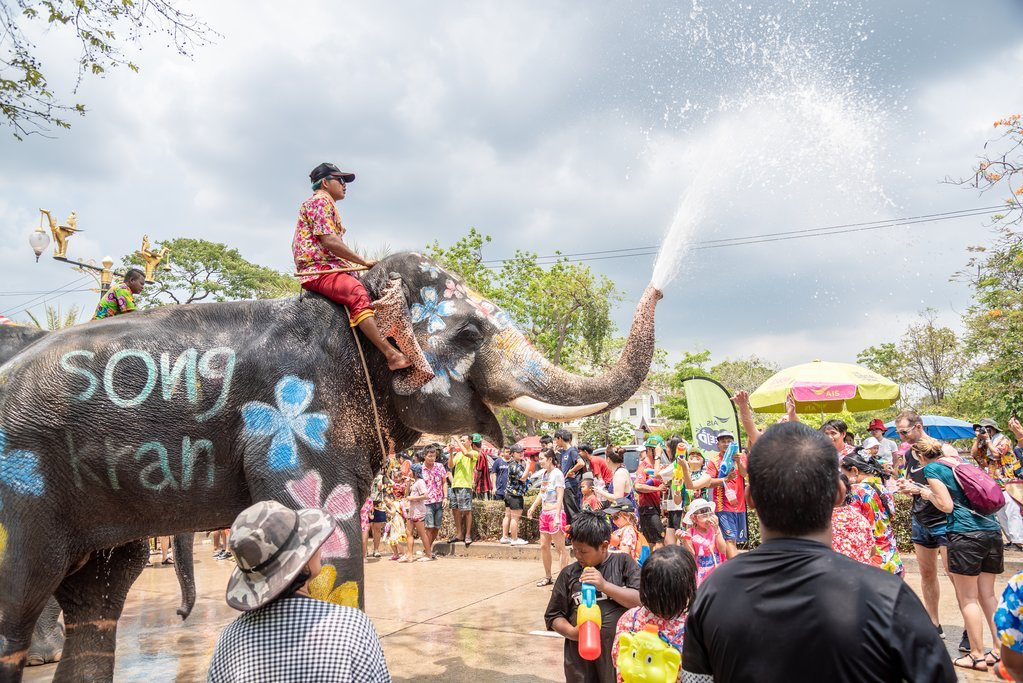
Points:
(372, 395)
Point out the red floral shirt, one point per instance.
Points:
(852, 536)
(317, 216)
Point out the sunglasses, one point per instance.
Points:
(337, 179)
(904, 432)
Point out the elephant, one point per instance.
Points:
(48, 636)
(173, 420)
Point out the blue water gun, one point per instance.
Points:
(728, 459)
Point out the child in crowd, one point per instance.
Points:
(666, 590)
(416, 512)
(590, 500)
(627, 537)
(616, 578)
(394, 529)
(703, 538)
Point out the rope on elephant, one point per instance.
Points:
(372, 395)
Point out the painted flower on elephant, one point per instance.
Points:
(340, 503)
(432, 309)
(432, 268)
(322, 588)
(454, 290)
(445, 370)
(19, 470)
(286, 421)
(488, 309)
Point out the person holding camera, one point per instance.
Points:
(993, 452)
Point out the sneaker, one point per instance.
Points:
(941, 632)
(426, 559)
(226, 555)
(964, 644)
(217, 554)
(520, 541)
(506, 540)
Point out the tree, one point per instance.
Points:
(886, 360)
(1002, 166)
(55, 319)
(933, 354)
(102, 27)
(744, 374)
(599, 432)
(210, 271)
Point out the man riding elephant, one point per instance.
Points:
(176, 419)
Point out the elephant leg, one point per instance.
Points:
(48, 637)
(92, 599)
(185, 570)
(29, 573)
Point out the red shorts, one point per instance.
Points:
(345, 290)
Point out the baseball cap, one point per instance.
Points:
(326, 170)
(726, 433)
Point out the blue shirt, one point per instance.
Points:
(500, 468)
(569, 456)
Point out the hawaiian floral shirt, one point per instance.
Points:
(317, 216)
(636, 618)
(118, 299)
(868, 503)
(852, 536)
(1001, 461)
(434, 478)
(1009, 615)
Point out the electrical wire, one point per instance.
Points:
(824, 231)
(60, 291)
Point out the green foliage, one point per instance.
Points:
(886, 360)
(210, 271)
(933, 355)
(55, 319)
(101, 28)
(600, 431)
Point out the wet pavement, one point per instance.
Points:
(456, 619)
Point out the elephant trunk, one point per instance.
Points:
(547, 392)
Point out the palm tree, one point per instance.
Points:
(55, 319)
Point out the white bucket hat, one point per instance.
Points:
(696, 507)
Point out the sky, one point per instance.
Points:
(556, 126)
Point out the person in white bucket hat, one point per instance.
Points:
(703, 538)
(284, 634)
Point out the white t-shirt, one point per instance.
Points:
(550, 482)
(886, 450)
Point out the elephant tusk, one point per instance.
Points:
(553, 413)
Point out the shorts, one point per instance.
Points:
(733, 526)
(379, 516)
(549, 524)
(973, 552)
(434, 515)
(346, 290)
(650, 523)
(461, 499)
(929, 537)
(675, 518)
(512, 502)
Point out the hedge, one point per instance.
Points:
(487, 516)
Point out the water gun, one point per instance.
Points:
(678, 477)
(587, 620)
(650, 477)
(728, 459)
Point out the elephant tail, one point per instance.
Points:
(185, 569)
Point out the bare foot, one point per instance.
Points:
(396, 360)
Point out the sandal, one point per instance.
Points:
(993, 656)
(974, 661)
(547, 581)
(169, 560)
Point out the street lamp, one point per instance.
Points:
(39, 240)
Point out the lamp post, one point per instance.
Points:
(104, 275)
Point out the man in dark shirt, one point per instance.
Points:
(568, 457)
(793, 609)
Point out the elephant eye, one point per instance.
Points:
(470, 334)
(633, 654)
(649, 659)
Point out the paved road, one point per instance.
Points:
(458, 619)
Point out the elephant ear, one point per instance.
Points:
(395, 321)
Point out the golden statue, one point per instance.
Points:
(151, 258)
(61, 233)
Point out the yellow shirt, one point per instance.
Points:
(462, 466)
